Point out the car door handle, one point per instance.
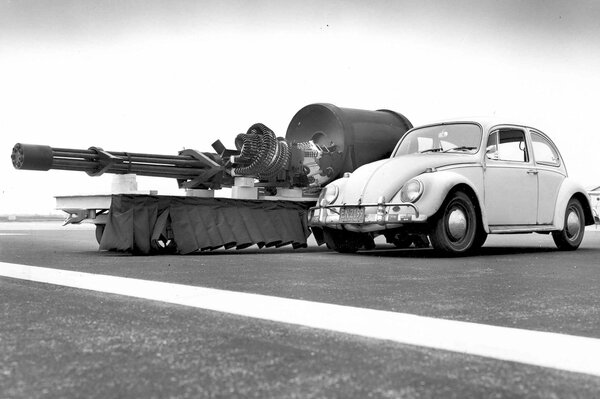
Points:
(532, 172)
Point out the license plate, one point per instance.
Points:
(352, 215)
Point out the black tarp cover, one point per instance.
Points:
(136, 222)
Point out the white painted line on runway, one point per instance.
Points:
(13, 234)
(558, 351)
(44, 226)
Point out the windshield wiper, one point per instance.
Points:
(461, 148)
(439, 149)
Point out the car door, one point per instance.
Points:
(551, 173)
(510, 180)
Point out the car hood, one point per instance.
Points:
(385, 178)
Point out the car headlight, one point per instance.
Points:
(329, 194)
(411, 191)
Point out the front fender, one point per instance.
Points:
(437, 186)
(569, 189)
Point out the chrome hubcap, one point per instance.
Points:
(457, 224)
(573, 224)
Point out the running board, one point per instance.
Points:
(522, 229)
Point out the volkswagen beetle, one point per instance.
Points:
(452, 184)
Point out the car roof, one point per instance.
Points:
(486, 122)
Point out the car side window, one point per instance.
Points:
(507, 145)
(543, 151)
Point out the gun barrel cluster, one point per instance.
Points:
(95, 161)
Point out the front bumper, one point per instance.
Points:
(365, 217)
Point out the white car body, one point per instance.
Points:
(508, 194)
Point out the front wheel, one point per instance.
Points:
(455, 229)
(570, 237)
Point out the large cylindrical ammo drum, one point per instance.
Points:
(360, 136)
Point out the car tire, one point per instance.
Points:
(570, 237)
(347, 241)
(455, 229)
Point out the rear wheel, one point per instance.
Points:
(455, 229)
(570, 237)
(347, 241)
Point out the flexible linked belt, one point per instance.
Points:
(262, 154)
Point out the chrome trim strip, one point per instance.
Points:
(503, 229)
(460, 165)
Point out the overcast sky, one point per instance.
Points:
(158, 76)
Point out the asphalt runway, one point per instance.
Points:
(65, 342)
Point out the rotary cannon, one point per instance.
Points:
(322, 143)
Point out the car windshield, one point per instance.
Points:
(450, 138)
